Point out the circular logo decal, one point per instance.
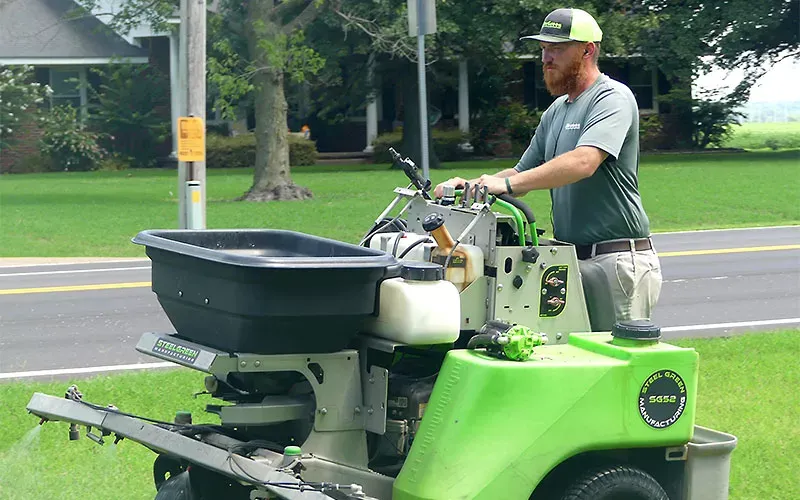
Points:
(662, 399)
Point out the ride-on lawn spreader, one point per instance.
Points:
(447, 356)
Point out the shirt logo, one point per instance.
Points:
(572, 126)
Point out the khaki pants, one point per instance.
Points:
(620, 286)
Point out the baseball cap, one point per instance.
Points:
(566, 25)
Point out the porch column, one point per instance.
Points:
(372, 124)
(372, 108)
(463, 103)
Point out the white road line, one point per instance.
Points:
(149, 366)
(84, 370)
(75, 271)
(726, 229)
(716, 326)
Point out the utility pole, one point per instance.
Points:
(421, 22)
(191, 125)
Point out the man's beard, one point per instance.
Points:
(563, 81)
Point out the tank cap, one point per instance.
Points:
(422, 271)
(637, 329)
(432, 221)
(292, 451)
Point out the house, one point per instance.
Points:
(63, 45)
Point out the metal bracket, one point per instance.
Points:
(676, 453)
(376, 388)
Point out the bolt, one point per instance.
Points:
(563, 291)
(180, 293)
(358, 410)
(499, 288)
(544, 291)
(257, 364)
(323, 411)
(554, 250)
(371, 380)
(206, 301)
(528, 268)
(558, 336)
(543, 265)
(243, 363)
(370, 411)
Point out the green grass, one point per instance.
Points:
(747, 388)
(765, 136)
(97, 213)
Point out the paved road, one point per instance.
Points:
(728, 281)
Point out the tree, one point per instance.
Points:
(265, 46)
(687, 38)
(19, 94)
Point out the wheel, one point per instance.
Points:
(164, 468)
(619, 482)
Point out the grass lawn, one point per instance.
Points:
(97, 213)
(746, 388)
(765, 136)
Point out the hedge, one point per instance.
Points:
(445, 143)
(240, 151)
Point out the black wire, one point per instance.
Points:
(377, 228)
(411, 246)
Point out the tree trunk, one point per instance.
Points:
(272, 180)
(412, 134)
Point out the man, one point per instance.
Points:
(586, 152)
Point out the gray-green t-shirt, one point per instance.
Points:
(607, 205)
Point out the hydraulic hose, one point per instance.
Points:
(411, 246)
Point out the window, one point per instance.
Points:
(69, 88)
(66, 88)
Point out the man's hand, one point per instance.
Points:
(456, 182)
(496, 185)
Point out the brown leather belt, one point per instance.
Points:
(588, 251)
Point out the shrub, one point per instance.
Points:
(240, 151)
(302, 152)
(68, 143)
(33, 163)
(650, 131)
(712, 122)
(445, 143)
(504, 130)
(129, 106)
(18, 97)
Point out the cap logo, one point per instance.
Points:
(551, 24)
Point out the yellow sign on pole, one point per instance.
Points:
(191, 139)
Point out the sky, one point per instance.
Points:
(780, 84)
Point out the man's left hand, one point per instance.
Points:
(496, 185)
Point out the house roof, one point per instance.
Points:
(38, 32)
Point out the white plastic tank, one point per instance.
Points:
(463, 262)
(418, 308)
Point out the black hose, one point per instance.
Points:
(397, 243)
(521, 206)
(411, 246)
(482, 340)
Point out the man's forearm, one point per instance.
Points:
(562, 170)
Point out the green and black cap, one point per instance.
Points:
(568, 25)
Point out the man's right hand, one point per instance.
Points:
(456, 182)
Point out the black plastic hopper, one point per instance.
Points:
(262, 290)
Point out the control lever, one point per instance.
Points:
(412, 172)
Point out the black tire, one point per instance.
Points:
(619, 482)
